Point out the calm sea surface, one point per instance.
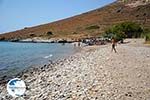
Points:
(15, 57)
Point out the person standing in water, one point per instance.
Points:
(113, 45)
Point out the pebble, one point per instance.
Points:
(94, 75)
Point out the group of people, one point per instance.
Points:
(113, 41)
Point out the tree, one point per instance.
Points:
(124, 30)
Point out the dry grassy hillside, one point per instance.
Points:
(91, 23)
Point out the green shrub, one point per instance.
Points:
(146, 34)
(92, 27)
(124, 30)
(147, 37)
(49, 33)
(74, 33)
(32, 35)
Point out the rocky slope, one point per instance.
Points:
(91, 23)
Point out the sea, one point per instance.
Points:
(16, 57)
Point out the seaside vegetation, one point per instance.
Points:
(74, 33)
(147, 38)
(32, 35)
(92, 27)
(146, 35)
(49, 33)
(124, 30)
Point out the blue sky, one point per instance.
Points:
(17, 14)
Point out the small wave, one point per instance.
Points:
(48, 56)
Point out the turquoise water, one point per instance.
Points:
(15, 57)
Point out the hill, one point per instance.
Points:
(89, 24)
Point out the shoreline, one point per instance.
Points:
(43, 40)
(6, 77)
(93, 73)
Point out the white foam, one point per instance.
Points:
(49, 56)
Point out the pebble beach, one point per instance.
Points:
(94, 73)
